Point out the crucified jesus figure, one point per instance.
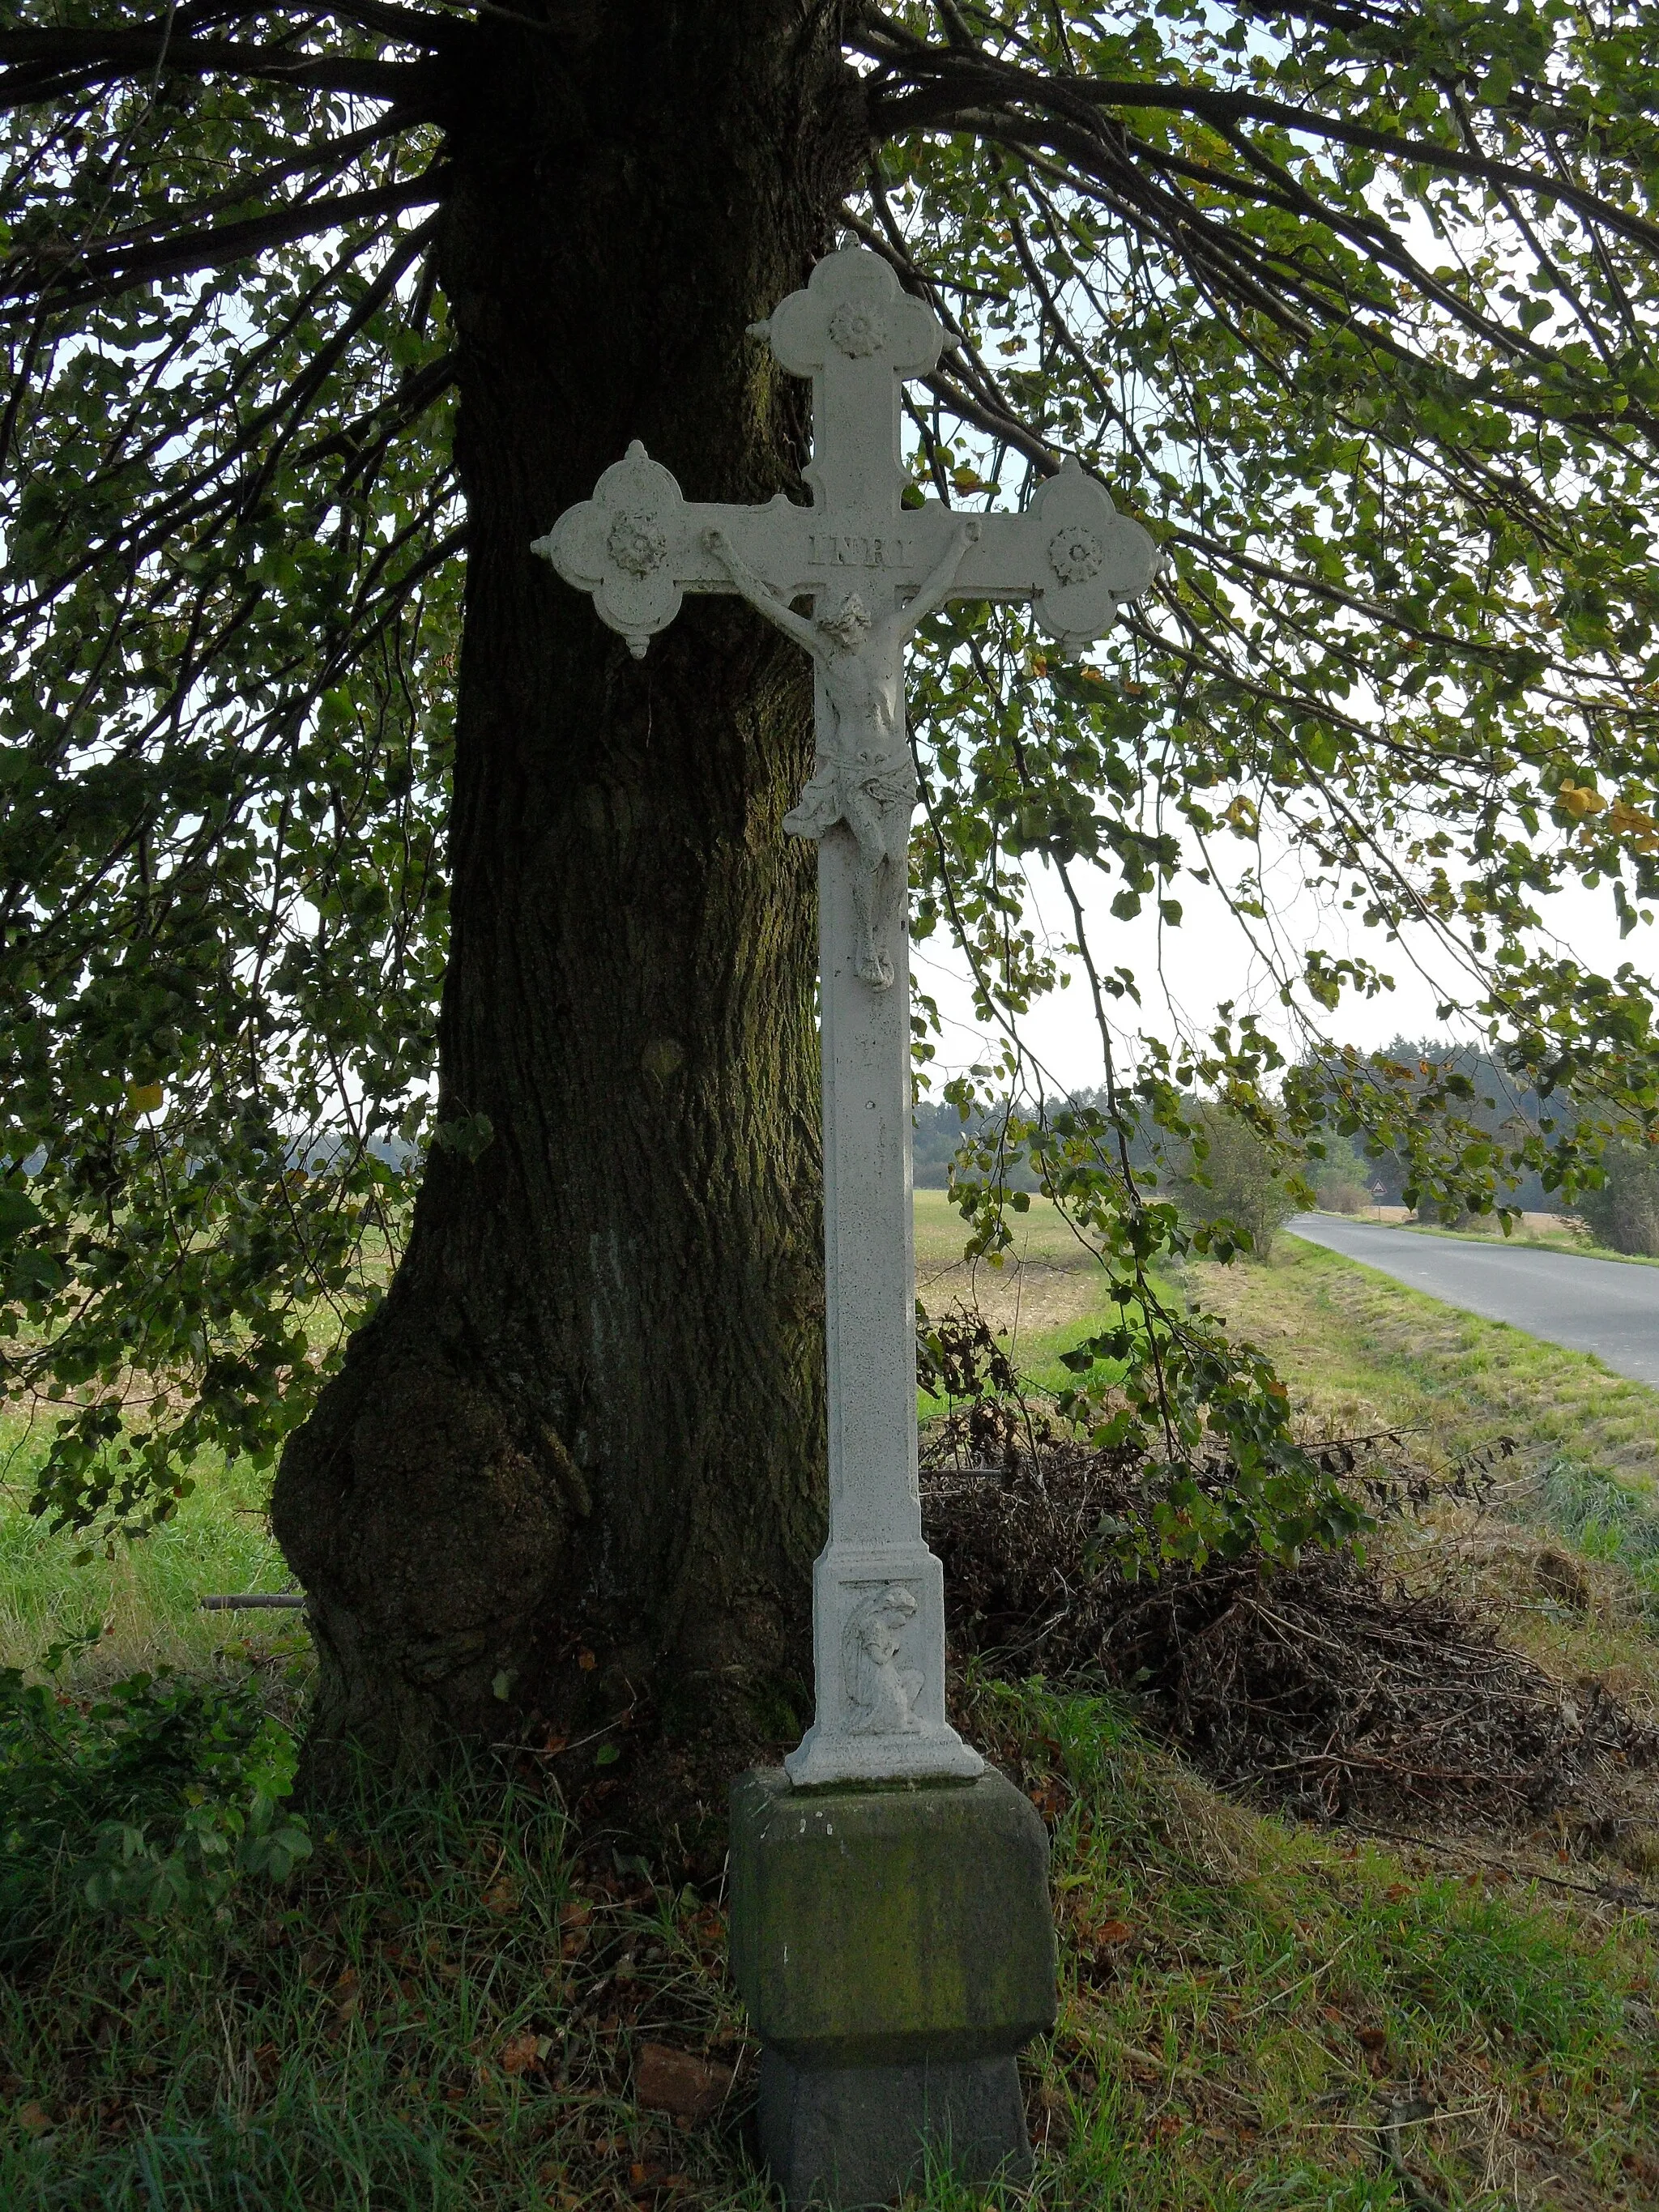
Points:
(863, 776)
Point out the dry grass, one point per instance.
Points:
(1361, 1352)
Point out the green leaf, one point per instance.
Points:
(18, 1213)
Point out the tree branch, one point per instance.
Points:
(411, 27)
(330, 156)
(205, 249)
(43, 63)
(949, 82)
(371, 434)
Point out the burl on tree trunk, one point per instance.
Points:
(573, 1465)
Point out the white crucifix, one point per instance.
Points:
(873, 570)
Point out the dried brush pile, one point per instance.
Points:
(1322, 1685)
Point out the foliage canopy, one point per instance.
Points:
(1352, 300)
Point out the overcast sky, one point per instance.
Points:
(1207, 959)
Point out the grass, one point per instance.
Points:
(1362, 1353)
(1601, 1516)
(1360, 1350)
(444, 2006)
(1041, 1236)
(1046, 1295)
(1253, 1994)
(216, 1543)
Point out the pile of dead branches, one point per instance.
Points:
(1323, 1686)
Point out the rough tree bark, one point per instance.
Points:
(588, 1418)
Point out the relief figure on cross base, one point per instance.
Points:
(863, 777)
(882, 1696)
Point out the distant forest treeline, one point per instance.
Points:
(1350, 1174)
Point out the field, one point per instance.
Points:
(446, 2005)
(1044, 1297)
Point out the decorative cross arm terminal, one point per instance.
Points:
(873, 570)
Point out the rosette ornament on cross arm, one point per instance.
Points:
(620, 544)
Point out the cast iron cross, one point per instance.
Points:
(872, 570)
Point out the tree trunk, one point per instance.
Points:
(573, 1467)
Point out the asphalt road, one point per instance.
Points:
(1593, 1305)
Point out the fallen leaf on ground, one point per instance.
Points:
(519, 2053)
(679, 2081)
(35, 2117)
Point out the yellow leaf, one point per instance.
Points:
(1637, 825)
(1580, 798)
(145, 1097)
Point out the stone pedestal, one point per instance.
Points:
(895, 1947)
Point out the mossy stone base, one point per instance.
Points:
(896, 1948)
